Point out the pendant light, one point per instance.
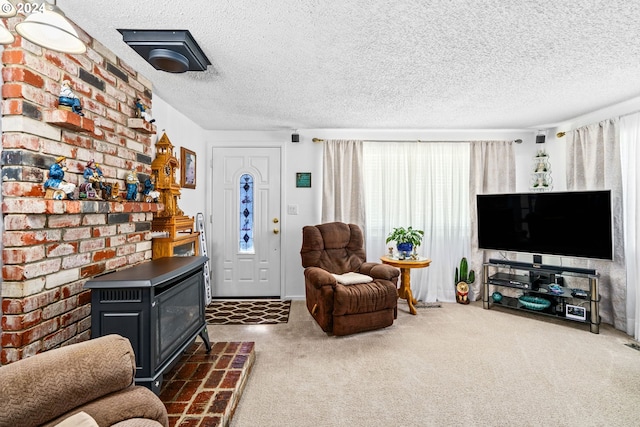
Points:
(50, 29)
(7, 10)
(5, 35)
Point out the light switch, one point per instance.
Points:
(292, 209)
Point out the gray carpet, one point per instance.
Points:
(457, 365)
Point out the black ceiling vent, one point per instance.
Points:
(174, 51)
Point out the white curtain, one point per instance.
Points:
(492, 170)
(342, 195)
(593, 163)
(426, 186)
(630, 156)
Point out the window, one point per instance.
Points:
(246, 214)
(426, 186)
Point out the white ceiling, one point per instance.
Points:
(405, 64)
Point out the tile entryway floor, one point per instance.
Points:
(202, 390)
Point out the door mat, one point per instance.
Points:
(248, 312)
(422, 304)
(633, 346)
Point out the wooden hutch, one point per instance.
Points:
(180, 239)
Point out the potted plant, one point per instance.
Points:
(406, 238)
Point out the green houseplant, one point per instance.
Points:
(406, 238)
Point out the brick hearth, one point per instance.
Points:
(203, 389)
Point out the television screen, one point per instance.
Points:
(575, 223)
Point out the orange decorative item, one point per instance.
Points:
(462, 293)
(180, 235)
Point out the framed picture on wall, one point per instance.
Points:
(187, 168)
(303, 179)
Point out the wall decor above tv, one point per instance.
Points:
(571, 223)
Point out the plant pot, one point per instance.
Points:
(405, 247)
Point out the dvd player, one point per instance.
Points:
(512, 280)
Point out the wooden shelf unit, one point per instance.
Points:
(180, 245)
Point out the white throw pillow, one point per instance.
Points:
(81, 419)
(352, 278)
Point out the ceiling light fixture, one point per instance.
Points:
(173, 51)
(7, 10)
(5, 35)
(47, 26)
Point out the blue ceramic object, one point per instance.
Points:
(497, 296)
(555, 289)
(534, 303)
(405, 247)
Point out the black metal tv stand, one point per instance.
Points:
(544, 289)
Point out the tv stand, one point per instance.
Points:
(543, 289)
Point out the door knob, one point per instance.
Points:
(276, 231)
(275, 220)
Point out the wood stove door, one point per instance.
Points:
(246, 222)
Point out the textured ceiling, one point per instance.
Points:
(405, 64)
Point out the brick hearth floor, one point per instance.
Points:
(202, 390)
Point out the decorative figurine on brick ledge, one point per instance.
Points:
(142, 110)
(113, 194)
(104, 185)
(92, 182)
(69, 99)
(56, 187)
(132, 185)
(150, 193)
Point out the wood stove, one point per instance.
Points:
(159, 305)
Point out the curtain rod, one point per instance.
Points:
(561, 134)
(396, 140)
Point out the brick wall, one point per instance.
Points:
(51, 247)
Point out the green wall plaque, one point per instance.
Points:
(303, 179)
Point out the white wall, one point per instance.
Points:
(306, 156)
(182, 132)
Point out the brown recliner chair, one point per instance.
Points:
(342, 309)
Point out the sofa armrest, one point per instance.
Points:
(43, 387)
(379, 271)
(318, 277)
(134, 402)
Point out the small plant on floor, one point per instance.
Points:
(463, 278)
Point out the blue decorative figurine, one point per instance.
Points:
(150, 193)
(69, 99)
(143, 111)
(56, 180)
(132, 185)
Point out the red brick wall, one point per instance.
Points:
(50, 248)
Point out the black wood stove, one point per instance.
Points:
(159, 305)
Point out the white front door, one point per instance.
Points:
(246, 222)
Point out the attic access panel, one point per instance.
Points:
(174, 51)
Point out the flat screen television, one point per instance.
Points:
(572, 223)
